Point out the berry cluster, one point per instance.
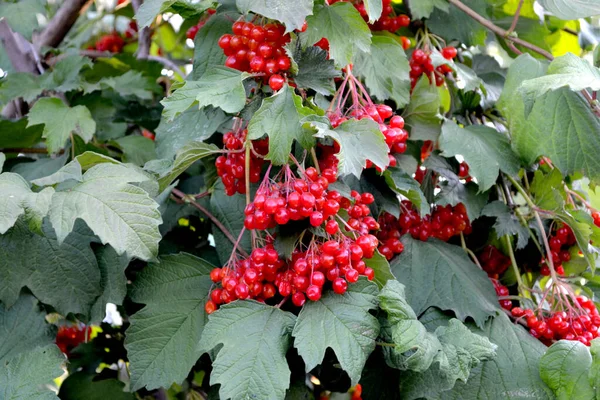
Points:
(560, 241)
(231, 167)
(493, 261)
(69, 337)
(112, 42)
(258, 49)
(502, 291)
(420, 63)
(443, 223)
(388, 20)
(580, 322)
(193, 31)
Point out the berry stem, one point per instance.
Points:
(247, 172)
(468, 251)
(313, 153)
(513, 263)
(178, 194)
(515, 18)
(385, 344)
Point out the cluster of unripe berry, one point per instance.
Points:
(580, 322)
(388, 20)
(420, 63)
(443, 223)
(258, 49)
(69, 337)
(231, 167)
(560, 241)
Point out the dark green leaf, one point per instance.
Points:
(463, 28)
(315, 70)
(506, 222)
(291, 14)
(404, 184)
(81, 386)
(113, 282)
(137, 150)
(207, 52)
(422, 114)
(381, 266)
(18, 134)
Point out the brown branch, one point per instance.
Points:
(168, 64)
(178, 194)
(58, 27)
(516, 18)
(143, 34)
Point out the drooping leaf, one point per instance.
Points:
(385, 70)
(343, 27)
(279, 118)
(60, 121)
(22, 327)
(121, 214)
(251, 362)
(219, 87)
(341, 322)
(81, 386)
(28, 374)
(566, 9)
(423, 8)
(315, 70)
(291, 14)
(161, 341)
(565, 369)
(185, 157)
(422, 115)
(113, 282)
(438, 274)
(506, 222)
(360, 141)
(485, 150)
(568, 70)
(404, 184)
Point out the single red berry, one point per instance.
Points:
(449, 53)
(276, 82)
(210, 307)
(313, 292)
(340, 285)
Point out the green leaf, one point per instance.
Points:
(219, 86)
(565, 368)
(279, 118)
(230, 211)
(438, 274)
(18, 134)
(341, 322)
(463, 28)
(466, 78)
(27, 375)
(150, 8)
(185, 157)
(567, 9)
(404, 184)
(207, 52)
(190, 126)
(20, 84)
(584, 230)
(137, 150)
(381, 266)
(315, 70)
(131, 83)
(113, 282)
(360, 141)
(251, 362)
(60, 121)
(374, 9)
(343, 27)
(71, 170)
(568, 70)
(548, 190)
(291, 14)
(16, 199)
(486, 150)
(422, 114)
(81, 386)
(2, 159)
(21, 16)
(161, 340)
(506, 222)
(385, 70)
(121, 214)
(65, 75)
(423, 8)
(22, 327)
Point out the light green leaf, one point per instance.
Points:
(251, 362)
(191, 126)
(548, 190)
(27, 375)
(291, 14)
(21, 15)
(572, 9)
(385, 70)
(16, 199)
(185, 157)
(65, 75)
(121, 214)
(22, 328)
(315, 70)
(506, 222)
(279, 118)
(565, 368)
(360, 141)
(151, 8)
(71, 170)
(486, 150)
(422, 115)
(404, 184)
(343, 27)
(20, 84)
(341, 322)
(466, 78)
(113, 282)
(423, 8)
(2, 159)
(374, 9)
(137, 150)
(568, 70)
(381, 266)
(131, 83)
(438, 274)
(219, 86)
(60, 121)
(161, 341)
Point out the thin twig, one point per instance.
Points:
(515, 18)
(169, 64)
(58, 27)
(143, 35)
(179, 194)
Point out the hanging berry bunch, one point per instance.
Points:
(112, 42)
(193, 30)
(421, 64)
(71, 336)
(388, 21)
(560, 241)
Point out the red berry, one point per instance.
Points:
(313, 292)
(340, 285)
(449, 53)
(276, 82)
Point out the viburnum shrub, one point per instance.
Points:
(359, 199)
